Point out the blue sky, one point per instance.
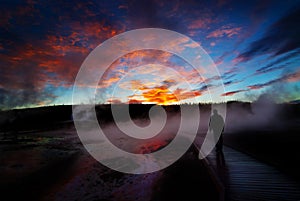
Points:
(254, 44)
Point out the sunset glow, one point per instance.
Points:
(254, 44)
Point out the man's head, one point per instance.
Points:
(215, 112)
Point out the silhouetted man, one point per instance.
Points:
(216, 124)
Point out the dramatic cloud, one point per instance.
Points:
(162, 95)
(43, 44)
(279, 63)
(290, 77)
(42, 51)
(127, 66)
(282, 37)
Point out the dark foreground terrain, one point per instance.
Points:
(53, 165)
(42, 157)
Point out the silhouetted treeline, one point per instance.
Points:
(57, 116)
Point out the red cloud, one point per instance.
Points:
(56, 59)
(114, 101)
(253, 87)
(134, 101)
(200, 23)
(294, 77)
(182, 95)
(224, 31)
(230, 93)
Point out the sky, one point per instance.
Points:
(255, 46)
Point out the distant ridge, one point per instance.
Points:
(295, 102)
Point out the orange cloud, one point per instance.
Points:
(161, 95)
(128, 62)
(182, 95)
(104, 83)
(124, 64)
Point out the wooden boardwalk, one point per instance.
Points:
(245, 178)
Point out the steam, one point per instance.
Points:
(259, 115)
